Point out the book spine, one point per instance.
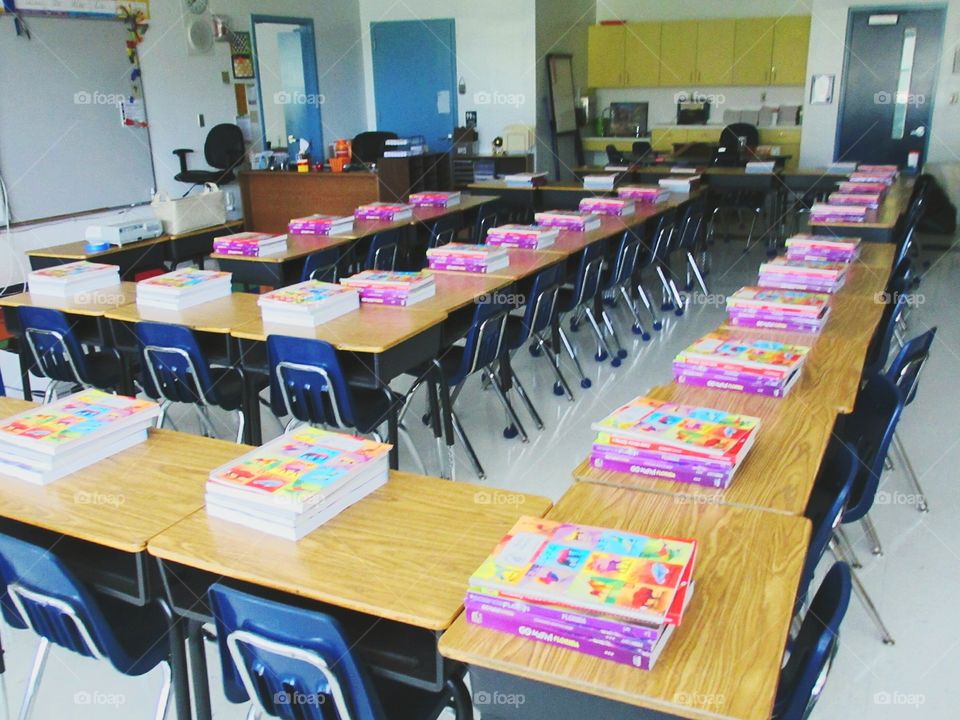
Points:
(701, 364)
(522, 243)
(717, 384)
(456, 265)
(727, 374)
(654, 458)
(768, 324)
(624, 465)
(557, 639)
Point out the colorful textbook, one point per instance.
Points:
(320, 224)
(568, 220)
(617, 207)
(808, 275)
(72, 279)
(670, 441)
(606, 593)
(743, 364)
(435, 198)
(384, 211)
(818, 248)
(777, 309)
(250, 244)
(384, 287)
(468, 258)
(184, 288)
(299, 481)
(644, 193)
(527, 237)
(45, 443)
(308, 303)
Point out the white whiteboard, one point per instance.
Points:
(562, 93)
(63, 148)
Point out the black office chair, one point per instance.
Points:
(615, 157)
(368, 146)
(641, 149)
(223, 149)
(732, 138)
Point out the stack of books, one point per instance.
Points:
(885, 177)
(568, 220)
(522, 180)
(807, 275)
(891, 171)
(72, 279)
(601, 182)
(605, 593)
(872, 188)
(680, 183)
(842, 168)
(868, 200)
(830, 213)
(294, 484)
(617, 207)
(669, 441)
(382, 287)
(643, 193)
(434, 198)
(805, 246)
(46, 443)
(383, 211)
(307, 304)
(250, 244)
(775, 309)
(528, 237)
(184, 288)
(320, 224)
(405, 147)
(742, 364)
(468, 258)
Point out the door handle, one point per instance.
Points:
(919, 131)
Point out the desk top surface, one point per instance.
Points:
(892, 207)
(123, 501)
(405, 552)
(216, 316)
(95, 303)
(724, 660)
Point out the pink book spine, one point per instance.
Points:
(521, 242)
(773, 324)
(623, 465)
(457, 265)
(822, 255)
(727, 373)
(595, 648)
(723, 384)
(656, 458)
(243, 250)
(563, 223)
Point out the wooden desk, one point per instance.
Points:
(163, 251)
(218, 316)
(887, 223)
(394, 567)
(722, 662)
(778, 473)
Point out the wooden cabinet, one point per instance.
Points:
(753, 50)
(715, 52)
(605, 55)
(791, 38)
(641, 59)
(678, 52)
(401, 176)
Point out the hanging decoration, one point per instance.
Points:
(136, 22)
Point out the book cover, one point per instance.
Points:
(779, 302)
(746, 352)
(307, 295)
(182, 280)
(73, 271)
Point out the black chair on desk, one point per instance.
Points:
(368, 146)
(733, 138)
(223, 150)
(615, 157)
(641, 149)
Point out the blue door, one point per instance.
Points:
(415, 78)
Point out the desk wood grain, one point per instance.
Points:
(95, 303)
(405, 552)
(724, 660)
(892, 207)
(217, 316)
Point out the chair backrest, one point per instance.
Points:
(614, 156)
(663, 235)
(307, 382)
(486, 219)
(292, 662)
(224, 148)
(444, 230)
(829, 497)
(56, 352)
(589, 273)
(383, 251)
(485, 340)
(731, 135)
(174, 367)
(541, 308)
(803, 676)
(868, 430)
(906, 366)
(368, 146)
(322, 265)
(693, 225)
(879, 347)
(625, 263)
(641, 148)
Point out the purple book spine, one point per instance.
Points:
(523, 242)
(585, 623)
(653, 458)
(724, 374)
(624, 465)
(787, 325)
(244, 250)
(596, 648)
(783, 283)
(824, 256)
(456, 265)
(735, 386)
(574, 225)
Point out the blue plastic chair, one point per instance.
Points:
(656, 245)
(811, 654)
(323, 266)
(444, 230)
(879, 348)
(540, 315)
(487, 218)
(297, 664)
(485, 345)
(175, 370)
(308, 383)
(42, 594)
(60, 356)
(383, 251)
(666, 241)
(691, 238)
(620, 279)
(3, 388)
(905, 371)
(579, 301)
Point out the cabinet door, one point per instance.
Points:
(753, 51)
(642, 54)
(678, 52)
(791, 37)
(715, 43)
(662, 139)
(605, 55)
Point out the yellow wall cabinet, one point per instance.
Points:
(605, 47)
(791, 37)
(753, 51)
(715, 52)
(641, 60)
(678, 52)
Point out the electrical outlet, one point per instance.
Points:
(763, 96)
(200, 120)
(225, 77)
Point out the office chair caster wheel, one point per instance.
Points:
(535, 350)
(558, 389)
(616, 362)
(585, 383)
(574, 325)
(510, 432)
(637, 330)
(425, 418)
(658, 325)
(621, 354)
(600, 356)
(678, 312)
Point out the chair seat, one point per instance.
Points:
(372, 408)
(198, 177)
(142, 638)
(103, 368)
(566, 298)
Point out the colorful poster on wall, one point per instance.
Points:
(83, 8)
(241, 53)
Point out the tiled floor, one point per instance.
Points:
(912, 584)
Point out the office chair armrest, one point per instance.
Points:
(182, 154)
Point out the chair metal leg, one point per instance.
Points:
(505, 401)
(618, 346)
(911, 473)
(669, 298)
(162, 417)
(844, 540)
(163, 702)
(206, 427)
(861, 592)
(36, 672)
(554, 359)
(603, 348)
(645, 299)
(49, 392)
(253, 713)
(697, 272)
(241, 425)
(638, 328)
(877, 549)
(462, 436)
(534, 415)
(412, 447)
(460, 698)
(753, 222)
(584, 381)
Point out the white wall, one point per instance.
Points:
(495, 57)
(178, 86)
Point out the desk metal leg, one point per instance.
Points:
(179, 670)
(252, 431)
(198, 670)
(446, 413)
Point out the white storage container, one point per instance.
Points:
(192, 212)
